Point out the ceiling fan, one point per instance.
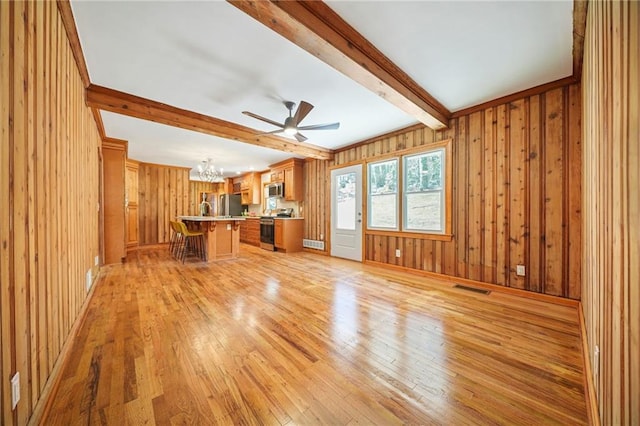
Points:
(290, 125)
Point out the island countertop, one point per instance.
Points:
(210, 218)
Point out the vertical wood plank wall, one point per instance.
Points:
(49, 188)
(611, 255)
(516, 195)
(314, 206)
(163, 194)
(195, 189)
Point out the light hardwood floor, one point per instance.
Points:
(273, 338)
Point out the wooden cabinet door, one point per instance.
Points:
(131, 190)
(279, 234)
(277, 175)
(132, 226)
(289, 182)
(114, 169)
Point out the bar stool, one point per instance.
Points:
(193, 243)
(177, 240)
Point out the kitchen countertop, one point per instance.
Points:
(211, 218)
(289, 218)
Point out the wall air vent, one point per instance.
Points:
(314, 244)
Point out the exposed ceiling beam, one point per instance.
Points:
(66, 14)
(134, 106)
(579, 28)
(316, 28)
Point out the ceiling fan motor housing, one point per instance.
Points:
(289, 106)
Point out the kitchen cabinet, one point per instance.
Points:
(290, 172)
(277, 175)
(250, 188)
(131, 197)
(114, 155)
(288, 234)
(250, 231)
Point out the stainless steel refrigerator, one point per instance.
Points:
(230, 205)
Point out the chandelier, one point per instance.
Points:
(208, 173)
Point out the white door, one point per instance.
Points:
(346, 212)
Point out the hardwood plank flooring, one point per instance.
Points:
(286, 339)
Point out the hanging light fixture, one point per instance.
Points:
(208, 173)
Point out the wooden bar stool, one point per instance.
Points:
(193, 243)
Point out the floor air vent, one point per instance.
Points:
(314, 244)
(475, 290)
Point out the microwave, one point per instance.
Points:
(276, 189)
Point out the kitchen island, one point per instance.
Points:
(221, 234)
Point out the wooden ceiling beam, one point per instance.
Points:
(316, 28)
(69, 23)
(580, 8)
(134, 106)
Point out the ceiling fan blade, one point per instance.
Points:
(303, 109)
(300, 137)
(266, 120)
(330, 126)
(273, 132)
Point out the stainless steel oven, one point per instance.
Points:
(267, 230)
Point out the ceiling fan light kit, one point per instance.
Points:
(291, 123)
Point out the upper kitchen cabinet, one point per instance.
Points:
(289, 172)
(250, 188)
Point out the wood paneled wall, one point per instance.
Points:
(611, 255)
(163, 194)
(49, 187)
(195, 189)
(314, 206)
(516, 196)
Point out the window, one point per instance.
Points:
(423, 200)
(272, 203)
(346, 201)
(383, 194)
(409, 193)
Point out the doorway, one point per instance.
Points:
(346, 212)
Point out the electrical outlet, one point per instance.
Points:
(520, 270)
(596, 361)
(89, 279)
(96, 260)
(397, 252)
(15, 390)
(321, 237)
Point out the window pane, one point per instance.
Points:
(272, 203)
(423, 198)
(382, 211)
(383, 194)
(346, 201)
(424, 211)
(423, 172)
(383, 177)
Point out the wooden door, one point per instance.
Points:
(346, 212)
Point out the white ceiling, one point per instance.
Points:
(211, 58)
